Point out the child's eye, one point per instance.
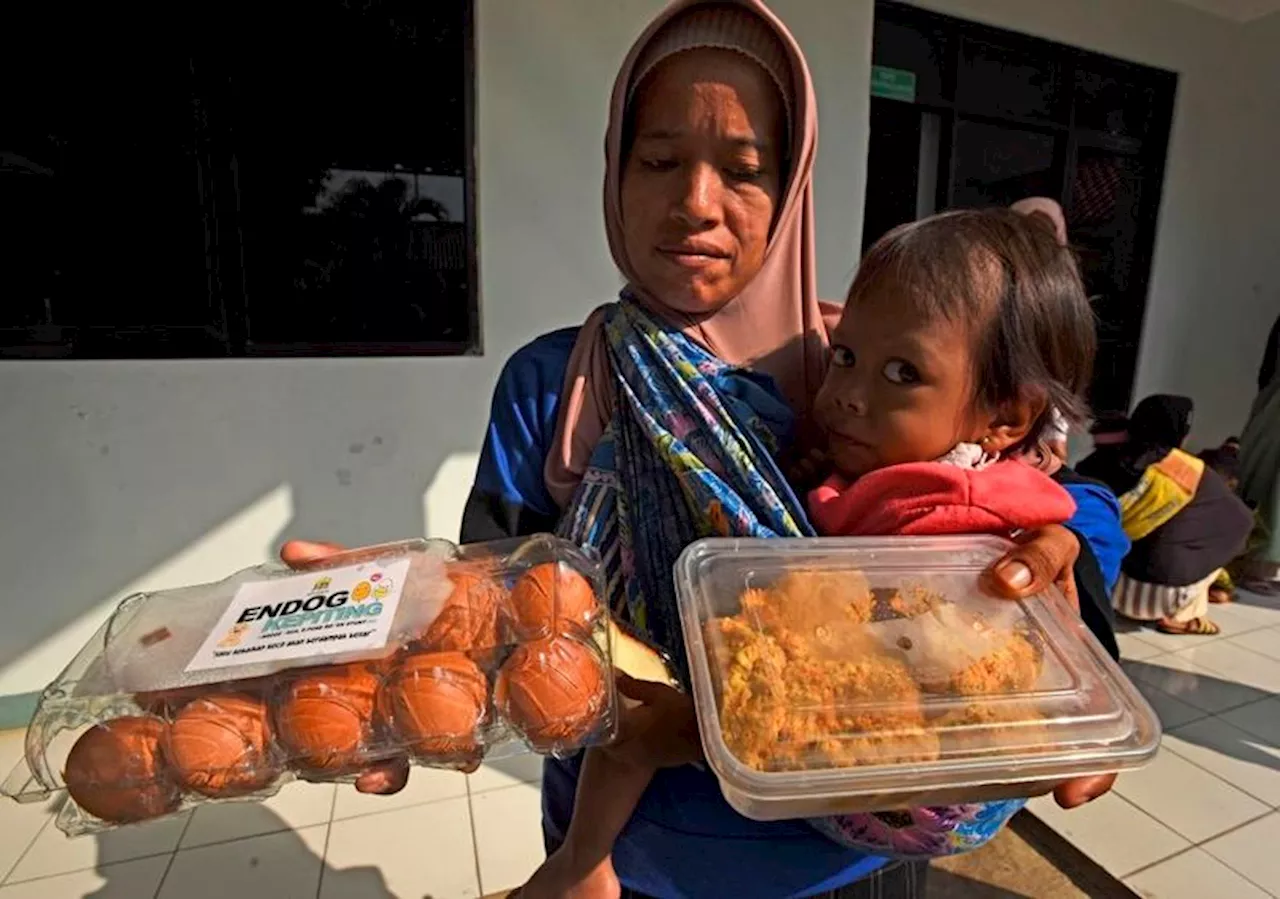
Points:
(897, 371)
(841, 356)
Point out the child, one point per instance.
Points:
(961, 333)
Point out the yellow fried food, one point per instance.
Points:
(1013, 667)
(803, 684)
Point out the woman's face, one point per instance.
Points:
(702, 179)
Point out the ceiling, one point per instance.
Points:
(1236, 10)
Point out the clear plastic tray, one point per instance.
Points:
(840, 675)
(423, 650)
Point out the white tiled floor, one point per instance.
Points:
(1203, 820)
(445, 836)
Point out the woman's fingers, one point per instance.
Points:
(1075, 793)
(300, 553)
(645, 691)
(385, 778)
(1044, 556)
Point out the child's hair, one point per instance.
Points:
(1008, 277)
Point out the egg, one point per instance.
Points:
(324, 719)
(220, 745)
(116, 771)
(468, 620)
(553, 691)
(434, 704)
(551, 599)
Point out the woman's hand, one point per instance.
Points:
(1047, 556)
(660, 732)
(383, 778)
(1042, 557)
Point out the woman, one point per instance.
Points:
(1184, 521)
(1260, 475)
(660, 421)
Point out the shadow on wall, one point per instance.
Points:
(124, 476)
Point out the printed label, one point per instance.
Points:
(343, 610)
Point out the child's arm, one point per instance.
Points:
(609, 789)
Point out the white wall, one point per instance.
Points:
(1215, 287)
(117, 476)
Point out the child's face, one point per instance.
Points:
(898, 389)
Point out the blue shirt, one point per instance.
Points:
(1097, 520)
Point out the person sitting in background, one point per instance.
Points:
(1184, 521)
(1259, 571)
(1225, 460)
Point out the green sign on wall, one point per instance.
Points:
(893, 84)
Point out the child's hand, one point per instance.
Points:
(560, 878)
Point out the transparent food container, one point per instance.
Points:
(419, 650)
(841, 675)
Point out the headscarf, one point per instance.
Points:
(776, 325)
(1159, 424)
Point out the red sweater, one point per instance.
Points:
(933, 498)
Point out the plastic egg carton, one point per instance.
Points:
(419, 650)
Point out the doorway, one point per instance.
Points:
(965, 115)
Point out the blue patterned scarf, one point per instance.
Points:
(689, 454)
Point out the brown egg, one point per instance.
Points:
(553, 692)
(324, 719)
(116, 771)
(552, 599)
(469, 619)
(220, 745)
(434, 703)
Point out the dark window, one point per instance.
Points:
(262, 185)
(1016, 116)
(998, 165)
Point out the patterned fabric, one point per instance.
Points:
(1143, 601)
(689, 454)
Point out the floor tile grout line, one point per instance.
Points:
(93, 867)
(173, 856)
(1246, 878)
(398, 808)
(49, 819)
(328, 834)
(1200, 845)
(1190, 847)
(1210, 771)
(475, 837)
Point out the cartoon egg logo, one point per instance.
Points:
(381, 591)
(361, 592)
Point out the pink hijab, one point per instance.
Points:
(775, 326)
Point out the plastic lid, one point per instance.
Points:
(877, 666)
